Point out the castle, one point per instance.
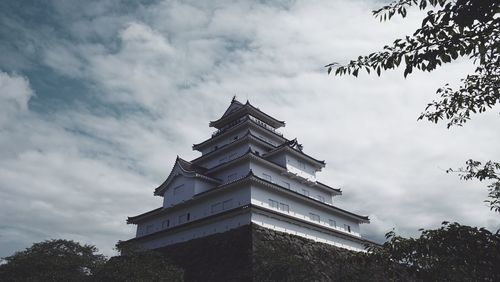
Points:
(247, 173)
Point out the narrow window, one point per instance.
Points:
(321, 198)
(227, 204)
(273, 204)
(216, 207)
(347, 228)
(332, 223)
(284, 207)
(302, 165)
(165, 223)
(267, 177)
(314, 217)
(188, 216)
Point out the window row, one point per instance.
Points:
(285, 184)
(279, 206)
(185, 217)
(220, 206)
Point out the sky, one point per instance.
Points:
(97, 98)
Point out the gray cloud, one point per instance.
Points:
(156, 73)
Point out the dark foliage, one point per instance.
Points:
(63, 260)
(451, 29)
(453, 252)
(139, 266)
(53, 260)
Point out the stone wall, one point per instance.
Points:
(253, 253)
(220, 257)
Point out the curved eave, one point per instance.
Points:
(251, 154)
(161, 189)
(247, 136)
(247, 109)
(207, 142)
(360, 218)
(318, 164)
(135, 219)
(252, 177)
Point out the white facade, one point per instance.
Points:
(247, 173)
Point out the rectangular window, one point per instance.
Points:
(305, 192)
(227, 204)
(332, 223)
(273, 204)
(267, 177)
(347, 228)
(284, 207)
(231, 177)
(286, 185)
(314, 217)
(216, 207)
(302, 165)
(321, 198)
(178, 190)
(165, 223)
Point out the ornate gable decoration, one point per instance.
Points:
(185, 169)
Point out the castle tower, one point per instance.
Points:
(247, 173)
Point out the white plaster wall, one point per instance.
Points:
(240, 196)
(292, 164)
(295, 185)
(301, 209)
(199, 231)
(239, 170)
(225, 156)
(283, 226)
(184, 194)
(225, 140)
(265, 135)
(202, 186)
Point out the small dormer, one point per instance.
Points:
(291, 156)
(184, 181)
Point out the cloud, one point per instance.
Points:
(15, 92)
(78, 158)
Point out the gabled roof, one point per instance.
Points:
(247, 135)
(295, 147)
(251, 122)
(250, 154)
(236, 110)
(187, 169)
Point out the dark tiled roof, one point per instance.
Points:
(188, 167)
(294, 145)
(247, 107)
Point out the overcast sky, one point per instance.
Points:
(98, 97)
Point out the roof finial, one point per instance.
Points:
(234, 98)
